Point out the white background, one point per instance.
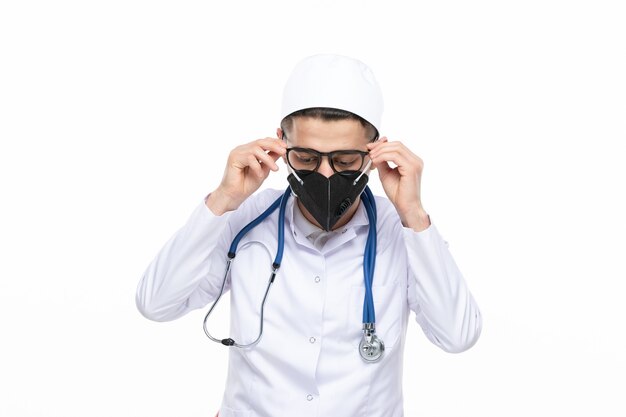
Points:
(115, 121)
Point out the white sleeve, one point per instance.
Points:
(185, 274)
(438, 293)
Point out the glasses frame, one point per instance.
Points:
(330, 156)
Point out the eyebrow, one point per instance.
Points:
(370, 141)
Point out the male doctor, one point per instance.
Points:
(316, 355)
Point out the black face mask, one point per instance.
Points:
(327, 199)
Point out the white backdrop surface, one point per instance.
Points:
(116, 119)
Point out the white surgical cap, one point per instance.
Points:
(336, 81)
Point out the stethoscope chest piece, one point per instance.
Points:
(371, 347)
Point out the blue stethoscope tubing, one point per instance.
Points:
(282, 202)
(369, 257)
(371, 347)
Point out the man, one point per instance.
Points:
(335, 320)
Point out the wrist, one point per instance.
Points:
(416, 219)
(219, 202)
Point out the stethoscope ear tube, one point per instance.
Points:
(206, 317)
(282, 202)
(233, 246)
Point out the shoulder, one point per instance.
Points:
(388, 223)
(264, 198)
(254, 205)
(386, 212)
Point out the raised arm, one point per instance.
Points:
(437, 291)
(187, 273)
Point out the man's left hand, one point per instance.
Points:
(401, 183)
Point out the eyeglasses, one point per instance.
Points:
(305, 159)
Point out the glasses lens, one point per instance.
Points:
(301, 159)
(347, 161)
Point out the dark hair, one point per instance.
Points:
(329, 114)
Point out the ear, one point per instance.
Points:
(279, 134)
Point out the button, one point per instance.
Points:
(312, 339)
(309, 397)
(344, 231)
(317, 279)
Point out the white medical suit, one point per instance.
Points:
(307, 362)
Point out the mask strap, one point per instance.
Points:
(291, 171)
(367, 167)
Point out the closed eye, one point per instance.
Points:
(306, 159)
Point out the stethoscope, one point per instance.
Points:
(371, 347)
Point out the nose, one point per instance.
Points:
(325, 169)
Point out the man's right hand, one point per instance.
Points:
(247, 167)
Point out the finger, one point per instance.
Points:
(255, 167)
(393, 147)
(240, 156)
(387, 154)
(376, 144)
(265, 159)
(272, 144)
(273, 155)
(383, 169)
(401, 159)
(386, 146)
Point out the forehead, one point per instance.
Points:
(326, 136)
